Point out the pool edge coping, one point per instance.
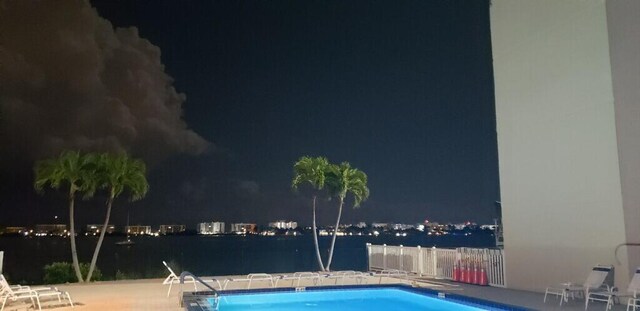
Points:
(189, 297)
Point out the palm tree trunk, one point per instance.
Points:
(72, 232)
(315, 235)
(335, 233)
(94, 260)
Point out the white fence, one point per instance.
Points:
(437, 262)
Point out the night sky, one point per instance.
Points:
(402, 90)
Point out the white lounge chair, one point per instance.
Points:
(610, 296)
(389, 273)
(595, 281)
(341, 276)
(17, 292)
(633, 303)
(172, 278)
(16, 295)
(297, 277)
(175, 279)
(249, 279)
(14, 287)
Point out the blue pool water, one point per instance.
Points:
(334, 300)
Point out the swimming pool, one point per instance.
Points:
(354, 298)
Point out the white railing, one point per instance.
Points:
(437, 262)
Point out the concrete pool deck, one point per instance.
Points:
(147, 294)
(532, 300)
(150, 294)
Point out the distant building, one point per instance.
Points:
(489, 227)
(171, 229)
(138, 230)
(211, 227)
(329, 231)
(51, 229)
(361, 225)
(283, 224)
(460, 226)
(95, 229)
(15, 230)
(436, 227)
(242, 228)
(380, 225)
(401, 226)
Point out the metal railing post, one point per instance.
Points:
(1, 259)
(484, 262)
(401, 259)
(434, 262)
(368, 256)
(420, 261)
(434, 257)
(384, 256)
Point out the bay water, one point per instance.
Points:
(25, 257)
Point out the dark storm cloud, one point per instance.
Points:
(69, 80)
(248, 187)
(195, 191)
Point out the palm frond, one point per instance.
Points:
(343, 180)
(120, 173)
(70, 167)
(310, 170)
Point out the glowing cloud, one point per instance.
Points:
(69, 80)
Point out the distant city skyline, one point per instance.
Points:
(278, 224)
(221, 228)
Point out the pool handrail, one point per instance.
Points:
(195, 278)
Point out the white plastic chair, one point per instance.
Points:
(595, 281)
(610, 296)
(174, 279)
(251, 278)
(17, 292)
(340, 276)
(633, 303)
(313, 276)
(297, 277)
(390, 273)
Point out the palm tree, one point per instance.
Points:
(73, 169)
(118, 173)
(311, 170)
(341, 180)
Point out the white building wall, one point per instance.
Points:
(218, 227)
(211, 228)
(283, 224)
(205, 228)
(559, 174)
(623, 21)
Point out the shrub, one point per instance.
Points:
(62, 272)
(58, 272)
(84, 269)
(121, 275)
